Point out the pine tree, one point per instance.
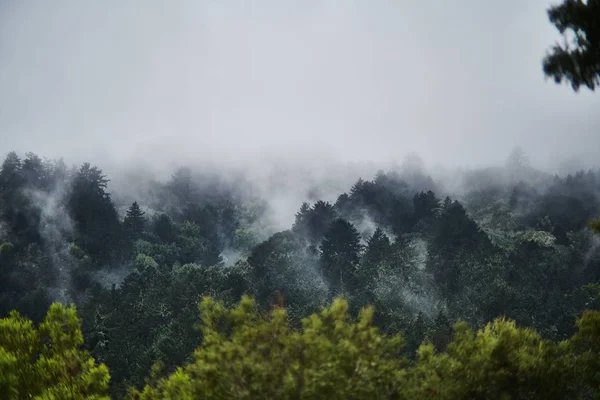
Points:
(378, 249)
(301, 219)
(94, 214)
(134, 222)
(340, 252)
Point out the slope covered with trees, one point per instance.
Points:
(400, 288)
(513, 244)
(247, 353)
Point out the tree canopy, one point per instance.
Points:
(577, 60)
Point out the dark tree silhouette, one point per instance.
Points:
(134, 222)
(577, 62)
(340, 254)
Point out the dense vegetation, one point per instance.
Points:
(516, 246)
(400, 289)
(250, 354)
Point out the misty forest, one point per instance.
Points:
(402, 284)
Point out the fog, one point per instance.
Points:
(154, 84)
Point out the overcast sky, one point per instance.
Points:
(459, 82)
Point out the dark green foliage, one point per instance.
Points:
(182, 187)
(152, 317)
(378, 248)
(522, 197)
(440, 333)
(94, 214)
(194, 247)
(340, 255)
(35, 174)
(578, 60)
(163, 228)
(229, 223)
(134, 223)
(426, 206)
(17, 212)
(312, 223)
(282, 265)
(518, 248)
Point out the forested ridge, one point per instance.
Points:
(514, 259)
(404, 287)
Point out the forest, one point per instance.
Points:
(403, 287)
(398, 287)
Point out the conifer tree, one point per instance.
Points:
(340, 252)
(134, 222)
(378, 248)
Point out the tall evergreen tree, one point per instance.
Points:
(426, 205)
(35, 172)
(96, 219)
(16, 211)
(134, 222)
(378, 248)
(340, 254)
(301, 219)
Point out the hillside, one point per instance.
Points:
(514, 245)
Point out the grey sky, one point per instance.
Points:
(459, 82)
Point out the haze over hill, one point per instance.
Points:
(349, 199)
(237, 83)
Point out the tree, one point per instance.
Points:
(577, 62)
(312, 223)
(426, 205)
(96, 219)
(134, 222)
(440, 333)
(269, 261)
(378, 250)
(340, 254)
(10, 177)
(500, 361)
(194, 248)
(35, 172)
(182, 186)
(300, 225)
(246, 354)
(16, 210)
(47, 362)
(163, 228)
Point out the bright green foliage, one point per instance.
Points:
(584, 348)
(500, 361)
(47, 362)
(246, 354)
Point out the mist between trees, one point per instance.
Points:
(345, 281)
(509, 241)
